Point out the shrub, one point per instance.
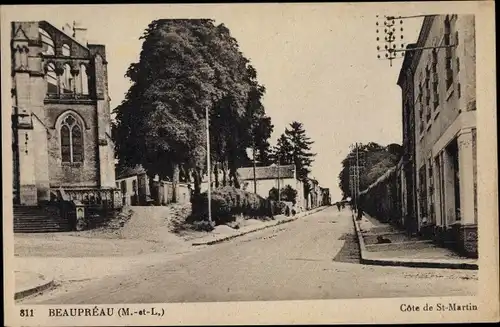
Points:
(288, 194)
(203, 226)
(229, 202)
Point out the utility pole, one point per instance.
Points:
(357, 176)
(254, 175)
(393, 34)
(279, 190)
(209, 170)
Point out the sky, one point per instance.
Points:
(318, 63)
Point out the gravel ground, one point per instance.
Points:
(305, 259)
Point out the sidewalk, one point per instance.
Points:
(403, 250)
(28, 283)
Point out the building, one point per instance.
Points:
(269, 177)
(60, 116)
(407, 174)
(138, 189)
(442, 77)
(314, 194)
(326, 199)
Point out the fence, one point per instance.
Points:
(163, 193)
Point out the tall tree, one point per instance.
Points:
(283, 151)
(185, 67)
(377, 160)
(295, 146)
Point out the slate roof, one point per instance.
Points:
(128, 171)
(268, 172)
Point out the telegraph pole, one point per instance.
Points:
(393, 34)
(254, 174)
(209, 174)
(357, 176)
(279, 191)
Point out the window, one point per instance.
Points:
(427, 94)
(431, 191)
(47, 42)
(66, 50)
(84, 80)
(423, 193)
(435, 80)
(448, 58)
(67, 79)
(51, 77)
(71, 140)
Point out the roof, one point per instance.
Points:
(268, 172)
(125, 172)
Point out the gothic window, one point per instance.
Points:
(66, 50)
(47, 42)
(67, 79)
(51, 76)
(71, 140)
(84, 80)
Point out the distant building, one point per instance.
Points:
(440, 145)
(138, 189)
(325, 197)
(61, 117)
(271, 176)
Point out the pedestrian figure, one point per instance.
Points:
(338, 206)
(360, 214)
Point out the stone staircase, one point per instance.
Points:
(39, 219)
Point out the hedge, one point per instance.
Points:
(229, 202)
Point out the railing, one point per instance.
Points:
(102, 198)
(67, 96)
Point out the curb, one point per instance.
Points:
(37, 289)
(227, 238)
(405, 262)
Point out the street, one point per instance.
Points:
(312, 258)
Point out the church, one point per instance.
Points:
(61, 120)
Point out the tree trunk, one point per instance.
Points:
(197, 182)
(224, 173)
(234, 176)
(175, 182)
(216, 174)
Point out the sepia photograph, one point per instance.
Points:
(218, 154)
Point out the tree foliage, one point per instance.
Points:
(294, 147)
(287, 193)
(185, 67)
(377, 160)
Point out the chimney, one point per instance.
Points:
(80, 33)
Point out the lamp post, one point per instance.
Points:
(209, 171)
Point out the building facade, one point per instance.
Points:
(444, 110)
(270, 177)
(407, 173)
(61, 124)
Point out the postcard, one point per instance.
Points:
(271, 163)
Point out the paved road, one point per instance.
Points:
(312, 258)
